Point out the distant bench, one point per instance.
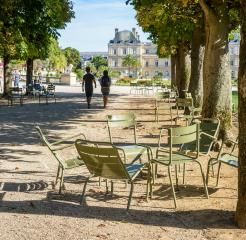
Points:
(15, 93)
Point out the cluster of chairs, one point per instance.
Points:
(146, 87)
(121, 161)
(16, 94)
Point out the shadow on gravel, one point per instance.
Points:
(197, 219)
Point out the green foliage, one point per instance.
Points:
(99, 61)
(80, 73)
(125, 81)
(57, 59)
(93, 68)
(130, 61)
(72, 56)
(115, 74)
(168, 22)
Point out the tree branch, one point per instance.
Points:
(208, 11)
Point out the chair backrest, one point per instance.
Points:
(184, 102)
(43, 138)
(182, 136)
(15, 91)
(51, 89)
(127, 120)
(101, 160)
(209, 130)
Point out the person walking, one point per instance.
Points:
(16, 78)
(105, 82)
(87, 85)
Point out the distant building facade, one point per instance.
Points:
(86, 57)
(128, 43)
(234, 47)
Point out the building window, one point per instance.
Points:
(236, 62)
(156, 63)
(166, 63)
(146, 74)
(115, 52)
(231, 62)
(124, 51)
(134, 51)
(147, 51)
(146, 64)
(233, 75)
(115, 64)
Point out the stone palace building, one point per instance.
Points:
(128, 43)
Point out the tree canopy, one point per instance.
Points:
(73, 56)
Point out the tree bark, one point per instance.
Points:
(197, 56)
(6, 76)
(182, 70)
(29, 71)
(241, 204)
(173, 70)
(216, 79)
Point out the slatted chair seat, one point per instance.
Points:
(103, 160)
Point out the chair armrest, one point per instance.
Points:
(208, 135)
(67, 139)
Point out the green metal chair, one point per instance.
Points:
(170, 157)
(134, 151)
(209, 131)
(162, 104)
(103, 160)
(55, 148)
(229, 158)
(185, 104)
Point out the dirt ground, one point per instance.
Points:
(31, 208)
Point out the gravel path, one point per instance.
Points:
(31, 208)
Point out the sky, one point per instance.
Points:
(94, 24)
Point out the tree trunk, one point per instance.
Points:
(216, 79)
(241, 204)
(182, 70)
(173, 70)
(6, 76)
(197, 56)
(29, 71)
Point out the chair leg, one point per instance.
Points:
(184, 173)
(130, 196)
(149, 186)
(203, 179)
(176, 176)
(84, 189)
(207, 174)
(218, 174)
(112, 188)
(172, 187)
(61, 180)
(57, 175)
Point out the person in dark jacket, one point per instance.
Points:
(87, 85)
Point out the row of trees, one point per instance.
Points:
(27, 29)
(196, 35)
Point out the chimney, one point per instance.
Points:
(116, 30)
(134, 31)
